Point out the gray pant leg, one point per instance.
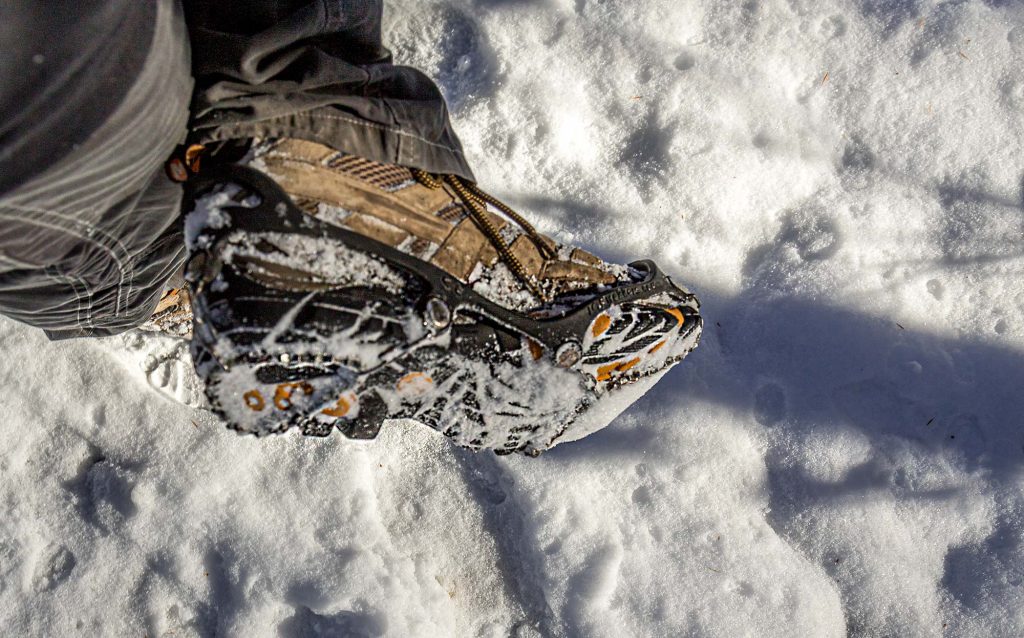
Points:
(64, 68)
(316, 70)
(87, 245)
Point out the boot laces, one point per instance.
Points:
(476, 201)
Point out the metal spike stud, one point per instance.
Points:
(438, 314)
(568, 354)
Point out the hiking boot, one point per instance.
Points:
(172, 315)
(334, 292)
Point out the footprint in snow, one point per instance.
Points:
(102, 491)
(52, 568)
(685, 61)
(166, 365)
(814, 234)
(833, 27)
(306, 622)
(856, 165)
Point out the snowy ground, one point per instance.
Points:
(841, 182)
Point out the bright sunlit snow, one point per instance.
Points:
(843, 185)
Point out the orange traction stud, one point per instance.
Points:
(605, 372)
(536, 350)
(283, 393)
(254, 400)
(340, 408)
(415, 381)
(675, 312)
(601, 324)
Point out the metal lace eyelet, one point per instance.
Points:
(437, 313)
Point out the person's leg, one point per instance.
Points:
(64, 69)
(89, 230)
(315, 70)
(86, 246)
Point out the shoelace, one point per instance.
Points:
(476, 202)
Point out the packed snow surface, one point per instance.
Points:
(843, 185)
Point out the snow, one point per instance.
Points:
(841, 183)
(321, 258)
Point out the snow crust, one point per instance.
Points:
(843, 185)
(325, 260)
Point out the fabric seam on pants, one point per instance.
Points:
(124, 268)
